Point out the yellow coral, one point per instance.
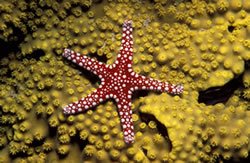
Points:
(219, 138)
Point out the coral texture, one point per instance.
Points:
(203, 44)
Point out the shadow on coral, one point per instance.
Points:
(215, 95)
(36, 54)
(160, 127)
(230, 28)
(13, 43)
(87, 74)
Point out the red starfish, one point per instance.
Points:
(118, 81)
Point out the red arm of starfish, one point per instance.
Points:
(126, 52)
(98, 68)
(125, 112)
(144, 83)
(98, 96)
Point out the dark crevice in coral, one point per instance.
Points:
(94, 79)
(160, 127)
(145, 151)
(5, 48)
(221, 94)
(37, 143)
(231, 28)
(61, 156)
(16, 89)
(139, 93)
(13, 43)
(247, 64)
(81, 143)
(52, 131)
(102, 58)
(234, 160)
(85, 8)
(19, 155)
(75, 140)
(97, 1)
(215, 95)
(36, 54)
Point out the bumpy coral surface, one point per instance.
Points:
(202, 44)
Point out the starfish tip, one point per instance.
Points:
(66, 110)
(179, 88)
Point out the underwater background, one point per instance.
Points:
(202, 44)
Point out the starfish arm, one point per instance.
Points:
(98, 96)
(126, 51)
(144, 83)
(125, 112)
(98, 68)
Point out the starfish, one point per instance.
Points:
(118, 81)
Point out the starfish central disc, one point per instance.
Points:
(118, 81)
